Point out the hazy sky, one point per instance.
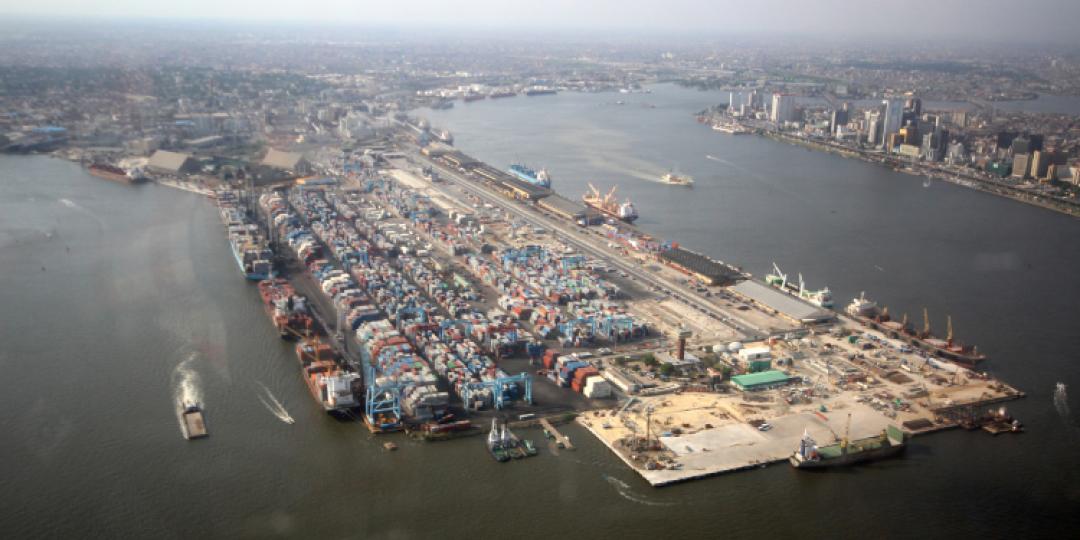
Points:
(1033, 20)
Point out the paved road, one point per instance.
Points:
(571, 234)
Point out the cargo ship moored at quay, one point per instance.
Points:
(249, 248)
(114, 173)
(286, 309)
(888, 443)
(867, 312)
(526, 174)
(608, 204)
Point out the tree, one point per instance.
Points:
(650, 360)
(667, 370)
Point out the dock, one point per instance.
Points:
(559, 437)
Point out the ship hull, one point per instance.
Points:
(114, 176)
(252, 276)
(530, 179)
(960, 358)
(849, 459)
(610, 213)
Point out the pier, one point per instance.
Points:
(559, 437)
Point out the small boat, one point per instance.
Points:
(673, 179)
(530, 448)
(191, 421)
(495, 443)
(390, 446)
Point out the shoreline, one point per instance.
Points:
(977, 184)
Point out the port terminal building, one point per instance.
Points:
(782, 303)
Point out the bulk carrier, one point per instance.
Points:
(114, 173)
(609, 205)
(867, 312)
(821, 297)
(811, 456)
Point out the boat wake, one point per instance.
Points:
(1061, 400)
(624, 491)
(74, 206)
(186, 384)
(274, 406)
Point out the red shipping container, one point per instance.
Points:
(581, 373)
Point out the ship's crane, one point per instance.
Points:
(847, 434)
(780, 274)
(948, 337)
(926, 323)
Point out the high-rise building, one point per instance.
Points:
(1041, 160)
(1026, 144)
(892, 118)
(1021, 166)
(839, 118)
(956, 155)
(783, 108)
(873, 127)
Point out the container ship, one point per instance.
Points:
(114, 173)
(673, 179)
(474, 97)
(503, 94)
(821, 297)
(867, 312)
(250, 250)
(526, 174)
(607, 204)
(335, 389)
(811, 456)
(286, 309)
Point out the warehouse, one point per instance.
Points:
(752, 382)
(702, 267)
(458, 160)
(165, 162)
(563, 207)
(782, 303)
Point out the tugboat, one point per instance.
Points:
(495, 443)
(673, 179)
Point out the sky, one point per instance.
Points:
(1027, 20)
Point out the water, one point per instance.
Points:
(138, 289)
